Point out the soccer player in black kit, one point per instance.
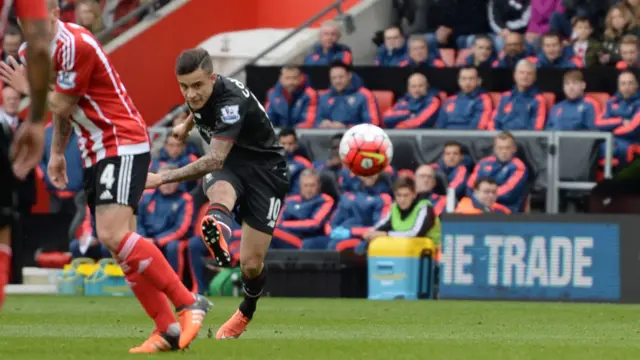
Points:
(244, 170)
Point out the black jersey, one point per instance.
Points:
(233, 113)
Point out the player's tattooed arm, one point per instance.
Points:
(39, 70)
(61, 134)
(219, 149)
(63, 105)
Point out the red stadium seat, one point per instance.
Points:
(462, 56)
(448, 56)
(601, 98)
(384, 99)
(550, 99)
(406, 173)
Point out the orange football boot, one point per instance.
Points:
(214, 240)
(157, 342)
(191, 318)
(234, 327)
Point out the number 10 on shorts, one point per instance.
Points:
(274, 211)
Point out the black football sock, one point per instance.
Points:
(252, 292)
(223, 216)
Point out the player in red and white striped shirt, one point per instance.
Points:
(24, 152)
(115, 147)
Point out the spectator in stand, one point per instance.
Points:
(483, 199)
(296, 162)
(9, 114)
(524, 107)
(89, 16)
(328, 50)
(455, 165)
(394, 49)
(86, 243)
(457, 22)
(577, 111)
(470, 108)
(418, 108)
(11, 41)
(292, 102)
(333, 164)
(410, 216)
(420, 55)
(355, 215)
(595, 10)
(506, 170)
(425, 183)
(348, 102)
(381, 183)
(541, 12)
(622, 118)
(514, 51)
(620, 21)
(553, 55)
(483, 53)
(628, 53)
(303, 216)
(164, 217)
(506, 17)
(174, 152)
(584, 47)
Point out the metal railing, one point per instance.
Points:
(553, 139)
(137, 12)
(336, 5)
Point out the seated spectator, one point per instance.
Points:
(198, 251)
(524, 107)
(420, 55)
(372, 185)
(333, 164)
(347, 103)
(303, 216)
(514, 51)
(394, 49)
(628, 53)
(553, 55)
(190, 147)
(10, 111)
(584, 46)
(410, 216)
(470, 108)
(292, 102)
(328, 50)
(174, 152)
(506, 170)
(482, 200)
(454, 164)
(86, 243)
(577, 111)
(296, 163)
(483, 54)
(74, 165)
(425, 183)
(355, 215)
(11, 41)
(418, 108)
(164, 217)
(622, 117)
(620, 21)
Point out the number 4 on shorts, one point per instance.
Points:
(274, 211)
(107, 179)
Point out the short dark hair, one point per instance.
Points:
(340, 64)
(453, 143)
(192, 60)
(288, 131)
(404, 183)
(580, 19)
(468, 67)
(551, 35)
(482, 180)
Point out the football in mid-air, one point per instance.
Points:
(366, 150)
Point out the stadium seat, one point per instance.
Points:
(406, 153)
(550, 99)
(495, 98)
(577, 162)
(601, 98)
(448, 56)
(462, 56)
(406, 173)
(432, 146)
(318, 145)
(384, 99)
(329, 185)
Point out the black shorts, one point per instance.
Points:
(8, 183)
(260, 191)
(116, 180)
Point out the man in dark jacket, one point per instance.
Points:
(328, 50)
(292, 102)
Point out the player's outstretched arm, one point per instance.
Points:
(219, 149)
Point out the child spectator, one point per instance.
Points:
(586, 48)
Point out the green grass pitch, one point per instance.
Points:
(56, 327)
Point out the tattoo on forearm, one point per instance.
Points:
(39, 69)
(208, 163)
(61, 133)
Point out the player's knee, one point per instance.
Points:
(112, 224)
(251, 266)
(222, 192)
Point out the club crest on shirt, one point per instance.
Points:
(230, 114)
(67, 80)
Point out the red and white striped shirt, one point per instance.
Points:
(106, 120)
